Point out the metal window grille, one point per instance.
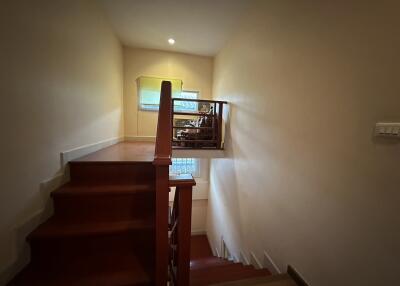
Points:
(187, 106)
(182, 166)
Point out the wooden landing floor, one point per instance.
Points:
(199, 247)
(123, 152)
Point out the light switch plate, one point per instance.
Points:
(388, 129)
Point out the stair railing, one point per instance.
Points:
(198, 136)
(172, 243)
(180, 229)
(162, 160)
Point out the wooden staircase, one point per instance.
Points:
(112, 226)
(102, 231)
(206, 269)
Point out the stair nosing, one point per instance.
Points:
(127, 226)
(267, 279)
(71, 190)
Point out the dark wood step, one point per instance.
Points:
(200, 247)
(54, 228)
(274, 280)
(117, 270)
(218, 274)
(77, 190)
(94, 203)
(112, 173)
(69, 246)
(208, 262)
(103, 230)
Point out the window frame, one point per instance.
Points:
(156, 107)
(197, 92)
(197, 161)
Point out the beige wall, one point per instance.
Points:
(304, 179)
(61, 87)
(194, 71)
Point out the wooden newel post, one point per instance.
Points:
(162, 250)
(183, 219)
(162, 160)
(184, 233)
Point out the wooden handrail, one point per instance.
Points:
(191, 113)
(203, 136)
(199, 100)
(182, 180)
(162, 160)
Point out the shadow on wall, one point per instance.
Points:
(225, 221)
(20, 231)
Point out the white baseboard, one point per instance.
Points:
(20, 231)
(75, 153)
(243, 258)
(198, 232)
(49, 185)
(214, 249)
(23, 228)
(217, 254)
(135, 138)
(270, 264)
(255, 262)
(296, 276)
(236, 259)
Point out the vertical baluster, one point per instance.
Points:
(183, 233)
(219, 136)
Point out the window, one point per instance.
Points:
(149, 89)
(182, 166)
(187, 106)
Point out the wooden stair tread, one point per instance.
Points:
(122, 152)
(207, 269)
(120, 270)
(102, 231)
(71, 189)
(201, 263)
(274, 280)
(217, 274)
(223, 267)
(54, 228)
(200, 247)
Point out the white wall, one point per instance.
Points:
(61, 87)
(304, 178)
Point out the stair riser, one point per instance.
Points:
(71, 252)
(111, 173)
(104, 208)
(206, 264)
(224, 277)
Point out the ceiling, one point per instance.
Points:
(199, 26)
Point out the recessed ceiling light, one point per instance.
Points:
(171, 41)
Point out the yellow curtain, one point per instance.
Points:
(149, 91)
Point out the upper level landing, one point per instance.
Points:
(122, 152)
(138, 151)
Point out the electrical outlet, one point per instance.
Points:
(387, 129)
